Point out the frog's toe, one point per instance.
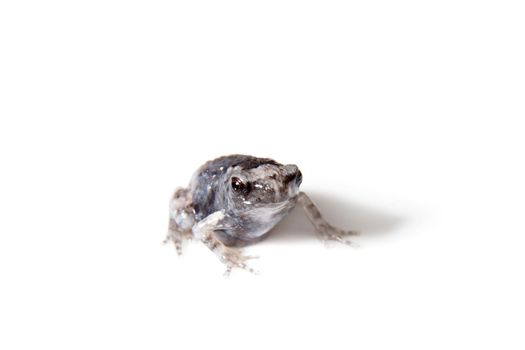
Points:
(177, 241)
(331, 233)
(234, 258)
(177, 238)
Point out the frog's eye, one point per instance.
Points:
(237, 184)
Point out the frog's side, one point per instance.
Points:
(235, 200)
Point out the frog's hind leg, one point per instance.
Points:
(181, 220)
(208, 232)
(176, 236)
(324, 229)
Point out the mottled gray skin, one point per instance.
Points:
(236, 200)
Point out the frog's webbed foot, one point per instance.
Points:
(206, 231)
(325, 230)
(235, 258)
(328, 232)
(176, 236)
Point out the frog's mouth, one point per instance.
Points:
(275, 206)
(262, 219)
(283, 206)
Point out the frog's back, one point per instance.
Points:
(209, 181)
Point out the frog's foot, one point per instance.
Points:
(208, 232)
(325, 230)
(176, 236)
(234, 258)
(328, 232)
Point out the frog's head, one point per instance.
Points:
(270, 186)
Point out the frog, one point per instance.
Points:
(236, 200)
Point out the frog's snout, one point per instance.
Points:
(292, 173)
(290, 169)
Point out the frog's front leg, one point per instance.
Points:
(325, 230)
(207, 231)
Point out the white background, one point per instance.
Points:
(405, 118)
